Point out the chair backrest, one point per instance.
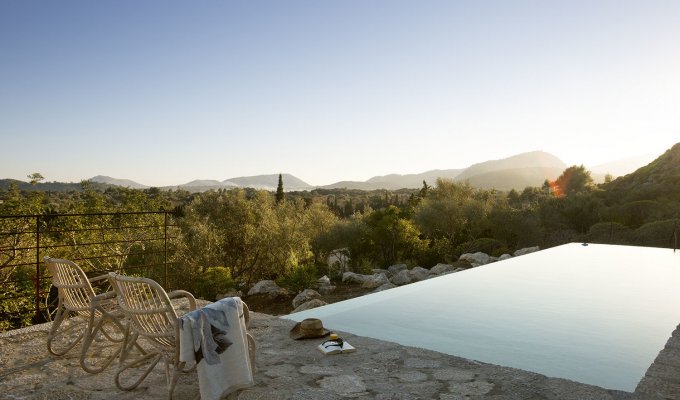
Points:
(147, 304)
(75, 290)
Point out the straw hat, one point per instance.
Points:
(308, 328)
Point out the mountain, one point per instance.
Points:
(207, 183)
(516, 172)
(624, 166)
(513, 178)
(269, 182)
(658, 180)
(118, 182)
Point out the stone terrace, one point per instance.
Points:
(290, 369)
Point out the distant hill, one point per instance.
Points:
(270, 182)
(516, 172)
(118, 182)
(514, 178)
(658, 180)
(622, 167)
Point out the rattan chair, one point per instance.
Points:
(83, 315)
(152, 321)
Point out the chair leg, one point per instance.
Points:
(55, 332)
(90, 336)
(153, 359)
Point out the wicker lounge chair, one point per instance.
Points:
(93, 316)
(152, 322)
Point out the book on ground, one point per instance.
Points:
(331, 347)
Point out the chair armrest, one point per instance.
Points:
(184, 293)
(101, 299)
(98, 278)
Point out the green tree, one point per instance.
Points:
(35, 178)
(574, 179)
(280, 196)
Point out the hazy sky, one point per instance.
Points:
(164, 92)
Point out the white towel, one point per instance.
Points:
(215, 337)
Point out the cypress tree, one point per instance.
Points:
(279, 191)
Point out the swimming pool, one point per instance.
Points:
(596, 314)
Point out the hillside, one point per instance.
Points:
(534, 159)
(515, 178)
(269, 182)
(658, 180)
(118, 182)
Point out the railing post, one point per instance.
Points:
(37, 268)
(165, 248)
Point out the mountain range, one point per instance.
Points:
(515, 172)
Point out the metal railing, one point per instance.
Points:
(134, 242)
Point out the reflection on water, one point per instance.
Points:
(595, 314)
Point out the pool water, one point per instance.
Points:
(596, 314)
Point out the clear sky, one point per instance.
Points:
(164, 92)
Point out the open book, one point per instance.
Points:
(332, 347)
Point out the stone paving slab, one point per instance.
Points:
(290, 369)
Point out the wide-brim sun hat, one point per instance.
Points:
(308, 328)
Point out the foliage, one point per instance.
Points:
(489, 246)
(574, 179)
(280, 196)
(211, 282)
(299, 279)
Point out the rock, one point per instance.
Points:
(441, 269)
(352, 277)
(386, 286)
(267, 287)
(525, 250)
(324, 290)
(375, 281)
(305, 296)
(381, 271)
(419, 274)
(395, 269)
(324, 281)
(402, 278)
(477, 258)
(314, 303)
(231, 293)
(504, 257)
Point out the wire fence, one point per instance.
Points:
(138, 243)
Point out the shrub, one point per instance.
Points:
(489, 246)
(299, 279)
(610, 233)
(212, 282)
(658, 233)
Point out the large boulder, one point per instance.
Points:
(525, 250)
(267, 287)
(305, 296)
(395, 269)
(402, 278)
(324, 290)
(375, 281)
(441, 269)
(314, 303)
(323, 281)
(387, 286)
(419, 274)
(475, 259)
(351, 277)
